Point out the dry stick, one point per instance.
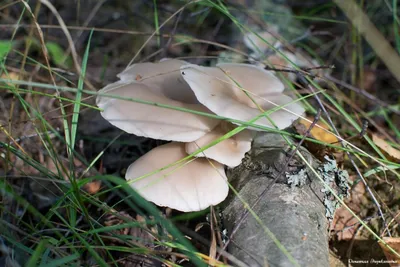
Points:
(66, 32)
(86, 23)
(214, 33)
(216, 232)
(83, 28)
(270, 185)
(168, 44)
(17, 140)
(372, 35)
(201, 41)
(90, 17)
(303, 71)
(213, 242)
(9, 4)
(363, 93)
(347, 152)
(69, 39)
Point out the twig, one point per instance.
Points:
(89, 18)
(303, 71)
(66, 33)
(363, 93)
(50, 133)
(214, 33)
(69, 39)
(168, 45)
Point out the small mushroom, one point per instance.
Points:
(261, 42)
(230, 151)
(242, 92)
(159, 83)
(262, 52)
(193, 186)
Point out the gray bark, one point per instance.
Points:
(294, 214)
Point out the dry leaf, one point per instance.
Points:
(344, 223)
(93, 187)
(334, 260)
(318, 133)
(382, 144)
(394, 243)
(10, 76)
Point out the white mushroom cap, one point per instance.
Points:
(220, 90)
(191, 187)
(160, 83)
(164, 76)
(229, 152)
(149, 120)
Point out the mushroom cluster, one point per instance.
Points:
(237, 91)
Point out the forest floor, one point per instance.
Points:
(61, 203)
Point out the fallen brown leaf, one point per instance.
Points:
(10, 76)
(382, 144)
(344, 223)
(93, 187)
(394, 243)
(320, 131)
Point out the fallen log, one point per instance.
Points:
(292, 225)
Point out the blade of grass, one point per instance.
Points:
(6, 189)
(89, 247)
(65, 261)
(37, 254)
(78, 98)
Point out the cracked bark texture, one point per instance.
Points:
(294, 214)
